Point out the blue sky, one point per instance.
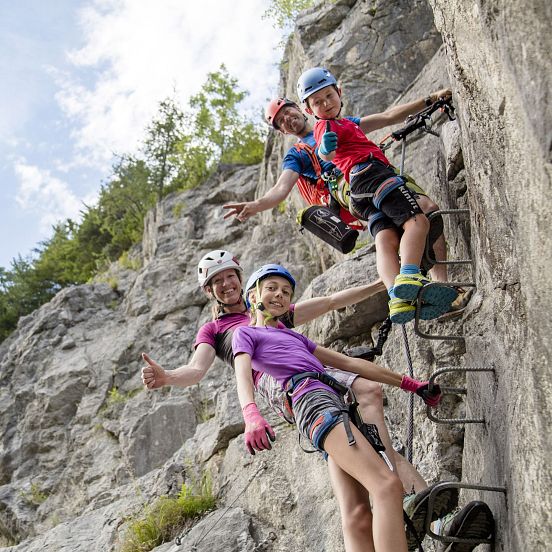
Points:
(80, 80)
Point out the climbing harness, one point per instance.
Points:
(178, 540)
(350, 414)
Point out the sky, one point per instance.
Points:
(81, 79)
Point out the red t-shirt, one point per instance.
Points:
(352, 145)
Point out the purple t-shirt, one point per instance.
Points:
(218, 333)
(281, 353)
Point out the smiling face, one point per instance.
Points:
(276, 294)
(226, 287)
(325, 103)
(290, 120)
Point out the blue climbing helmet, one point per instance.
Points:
(264, 272)
(313, 80)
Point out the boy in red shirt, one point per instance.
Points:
(375, 187)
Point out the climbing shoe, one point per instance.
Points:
(430, 312)
(473, 521)
(400, 311)
(407, 287)
(415, 507)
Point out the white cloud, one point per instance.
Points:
(44, 195)
(137, 51)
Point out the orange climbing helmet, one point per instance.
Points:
(274, 107)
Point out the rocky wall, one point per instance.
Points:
(502, 87)
(84, 447)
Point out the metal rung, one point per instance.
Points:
(421, 294)
(454, 391)
(427, 256)
(456, 485)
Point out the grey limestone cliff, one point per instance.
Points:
(84, 447)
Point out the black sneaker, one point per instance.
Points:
(473, 521)
(415, 507)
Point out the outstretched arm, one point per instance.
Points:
(399, 113)
(364, 368)
(371, 371)
(308, 310)
(154, 376)
(274, 196)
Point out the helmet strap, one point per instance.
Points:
(260, 307)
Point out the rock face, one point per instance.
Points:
(85, 448)
(503, 88)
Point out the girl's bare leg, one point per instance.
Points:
(363, 464)
(354, 505)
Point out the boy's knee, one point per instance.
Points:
(427, 205)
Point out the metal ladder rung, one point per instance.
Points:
(456, 485)
(454, 391)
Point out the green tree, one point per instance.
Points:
(285, 12)
(219, 128)
(161, 146)
(123, 204)
(180, 151)
(22, 291)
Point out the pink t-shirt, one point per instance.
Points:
(352, 145)
(281, 353)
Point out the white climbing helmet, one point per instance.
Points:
(215, 262)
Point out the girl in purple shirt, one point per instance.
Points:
(318, 409)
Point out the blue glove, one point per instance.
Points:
(329, 143)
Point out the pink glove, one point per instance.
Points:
(257, 429)
(421, 388)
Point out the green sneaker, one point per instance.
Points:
(473, 521)
(415, 507)
(400, 311)
(407, 287)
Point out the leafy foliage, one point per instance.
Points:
(179, 151)
(284, 12)
(165, 518)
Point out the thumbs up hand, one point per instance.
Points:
(329, 141)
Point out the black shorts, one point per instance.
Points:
(398, 205)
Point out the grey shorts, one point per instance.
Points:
(316, 414)
(275, 397)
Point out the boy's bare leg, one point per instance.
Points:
(413, 240)
(387, 259)
(439, 272)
